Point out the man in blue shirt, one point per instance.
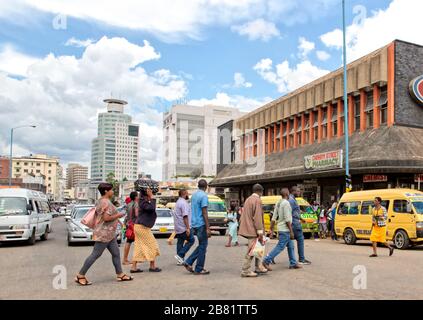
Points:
(296, 225)
(201, 228)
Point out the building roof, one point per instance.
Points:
(373, 151)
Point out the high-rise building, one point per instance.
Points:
(39, 165)
(75, 173)
(190, 139)
(116, 149)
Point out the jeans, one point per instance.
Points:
(181, 247)
(199, 253)
(299, 236)
(98, 250)
(284, 241)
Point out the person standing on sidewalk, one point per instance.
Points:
(252, 228)
(182, 219)
(201, 228)
(378, 234)
(283, 217)
(104, 235)
(296, 225)
(232, 221)
(130, 219)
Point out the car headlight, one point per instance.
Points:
(419, 225)
(74, 227)
(21, 226)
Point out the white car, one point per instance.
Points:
(25, 215)
(164, 222)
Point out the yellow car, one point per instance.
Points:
(404, 207)
(217, 214)
(311, 224)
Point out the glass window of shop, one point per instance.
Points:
(357, 113)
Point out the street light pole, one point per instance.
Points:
(11, 151)
(346, 116)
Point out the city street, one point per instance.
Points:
(27, 273)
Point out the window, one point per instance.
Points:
(26, 170)
(383, 104)
(369, 110)
(299, 130)
(324, 123)
(349, 208)
(400, 206)
(367, 207)
(334, 120)
(357, 113)
(38, 164)
(38, 171)
(25, 163)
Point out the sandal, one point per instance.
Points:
(86, 283)
(155, 270)
(124, 278)
(189, 268)
(227, 245)
(126, 263)
(136, 271)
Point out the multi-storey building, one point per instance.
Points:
(75, 173)
(299, 138)
(189, 139)
(116, 149)
(39, 165)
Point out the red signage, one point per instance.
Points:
(416, 89)
(374, 178)
(417, 177)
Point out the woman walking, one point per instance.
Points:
(232, 220)
(146, 247)
(378, 234)
(130, 219)
(104, 236)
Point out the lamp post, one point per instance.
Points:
(348, 182)
(11, 150)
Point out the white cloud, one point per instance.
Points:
(305, 47)
(401, 20)
(239, 81)
(63, 94)
(257, 30)
(322, 55)
(286, 78)
(79, 43)
(14, 62)
(236, 101)
(173, 20)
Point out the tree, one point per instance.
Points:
(111, 178)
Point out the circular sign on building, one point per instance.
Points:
(416, 89)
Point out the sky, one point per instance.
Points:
(60, 58)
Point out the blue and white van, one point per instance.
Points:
(25, 215)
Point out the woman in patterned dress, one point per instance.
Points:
(146, 247)
(104, 236)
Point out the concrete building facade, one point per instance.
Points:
(75, 173)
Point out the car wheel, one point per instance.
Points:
(222, 232)
(401, 240)
(31, 241)
(44, 237)
(349, 237)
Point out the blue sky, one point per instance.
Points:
(201, 50)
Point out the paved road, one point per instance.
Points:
(27, 273)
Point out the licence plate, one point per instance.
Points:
(163, 230)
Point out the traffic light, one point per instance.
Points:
(348, 183)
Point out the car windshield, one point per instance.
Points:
(216, 207)
(163, 213)
(268, 207)
(80, 213)
(12, 206)
(418, 206)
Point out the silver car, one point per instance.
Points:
(164, 222)
(77, 232)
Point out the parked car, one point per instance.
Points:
(25, 215)
(77, 232)
(217, 214)
(164, 223)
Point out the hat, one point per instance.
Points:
(144, 184)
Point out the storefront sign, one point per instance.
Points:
(323, 161)
(417, 177)
(374, 178)
(416, 89)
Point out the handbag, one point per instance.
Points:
(130, 233)
(90, 219)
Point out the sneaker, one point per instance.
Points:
(180, 260)
(266, 266)
(249, 274)
(305, 262)
(295, 267)
(261, 271)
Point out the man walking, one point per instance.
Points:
(283, 217)
(296, 224)
(182, 218)
(252, 228)
(201, 228)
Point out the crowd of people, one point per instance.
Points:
(191, 219)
